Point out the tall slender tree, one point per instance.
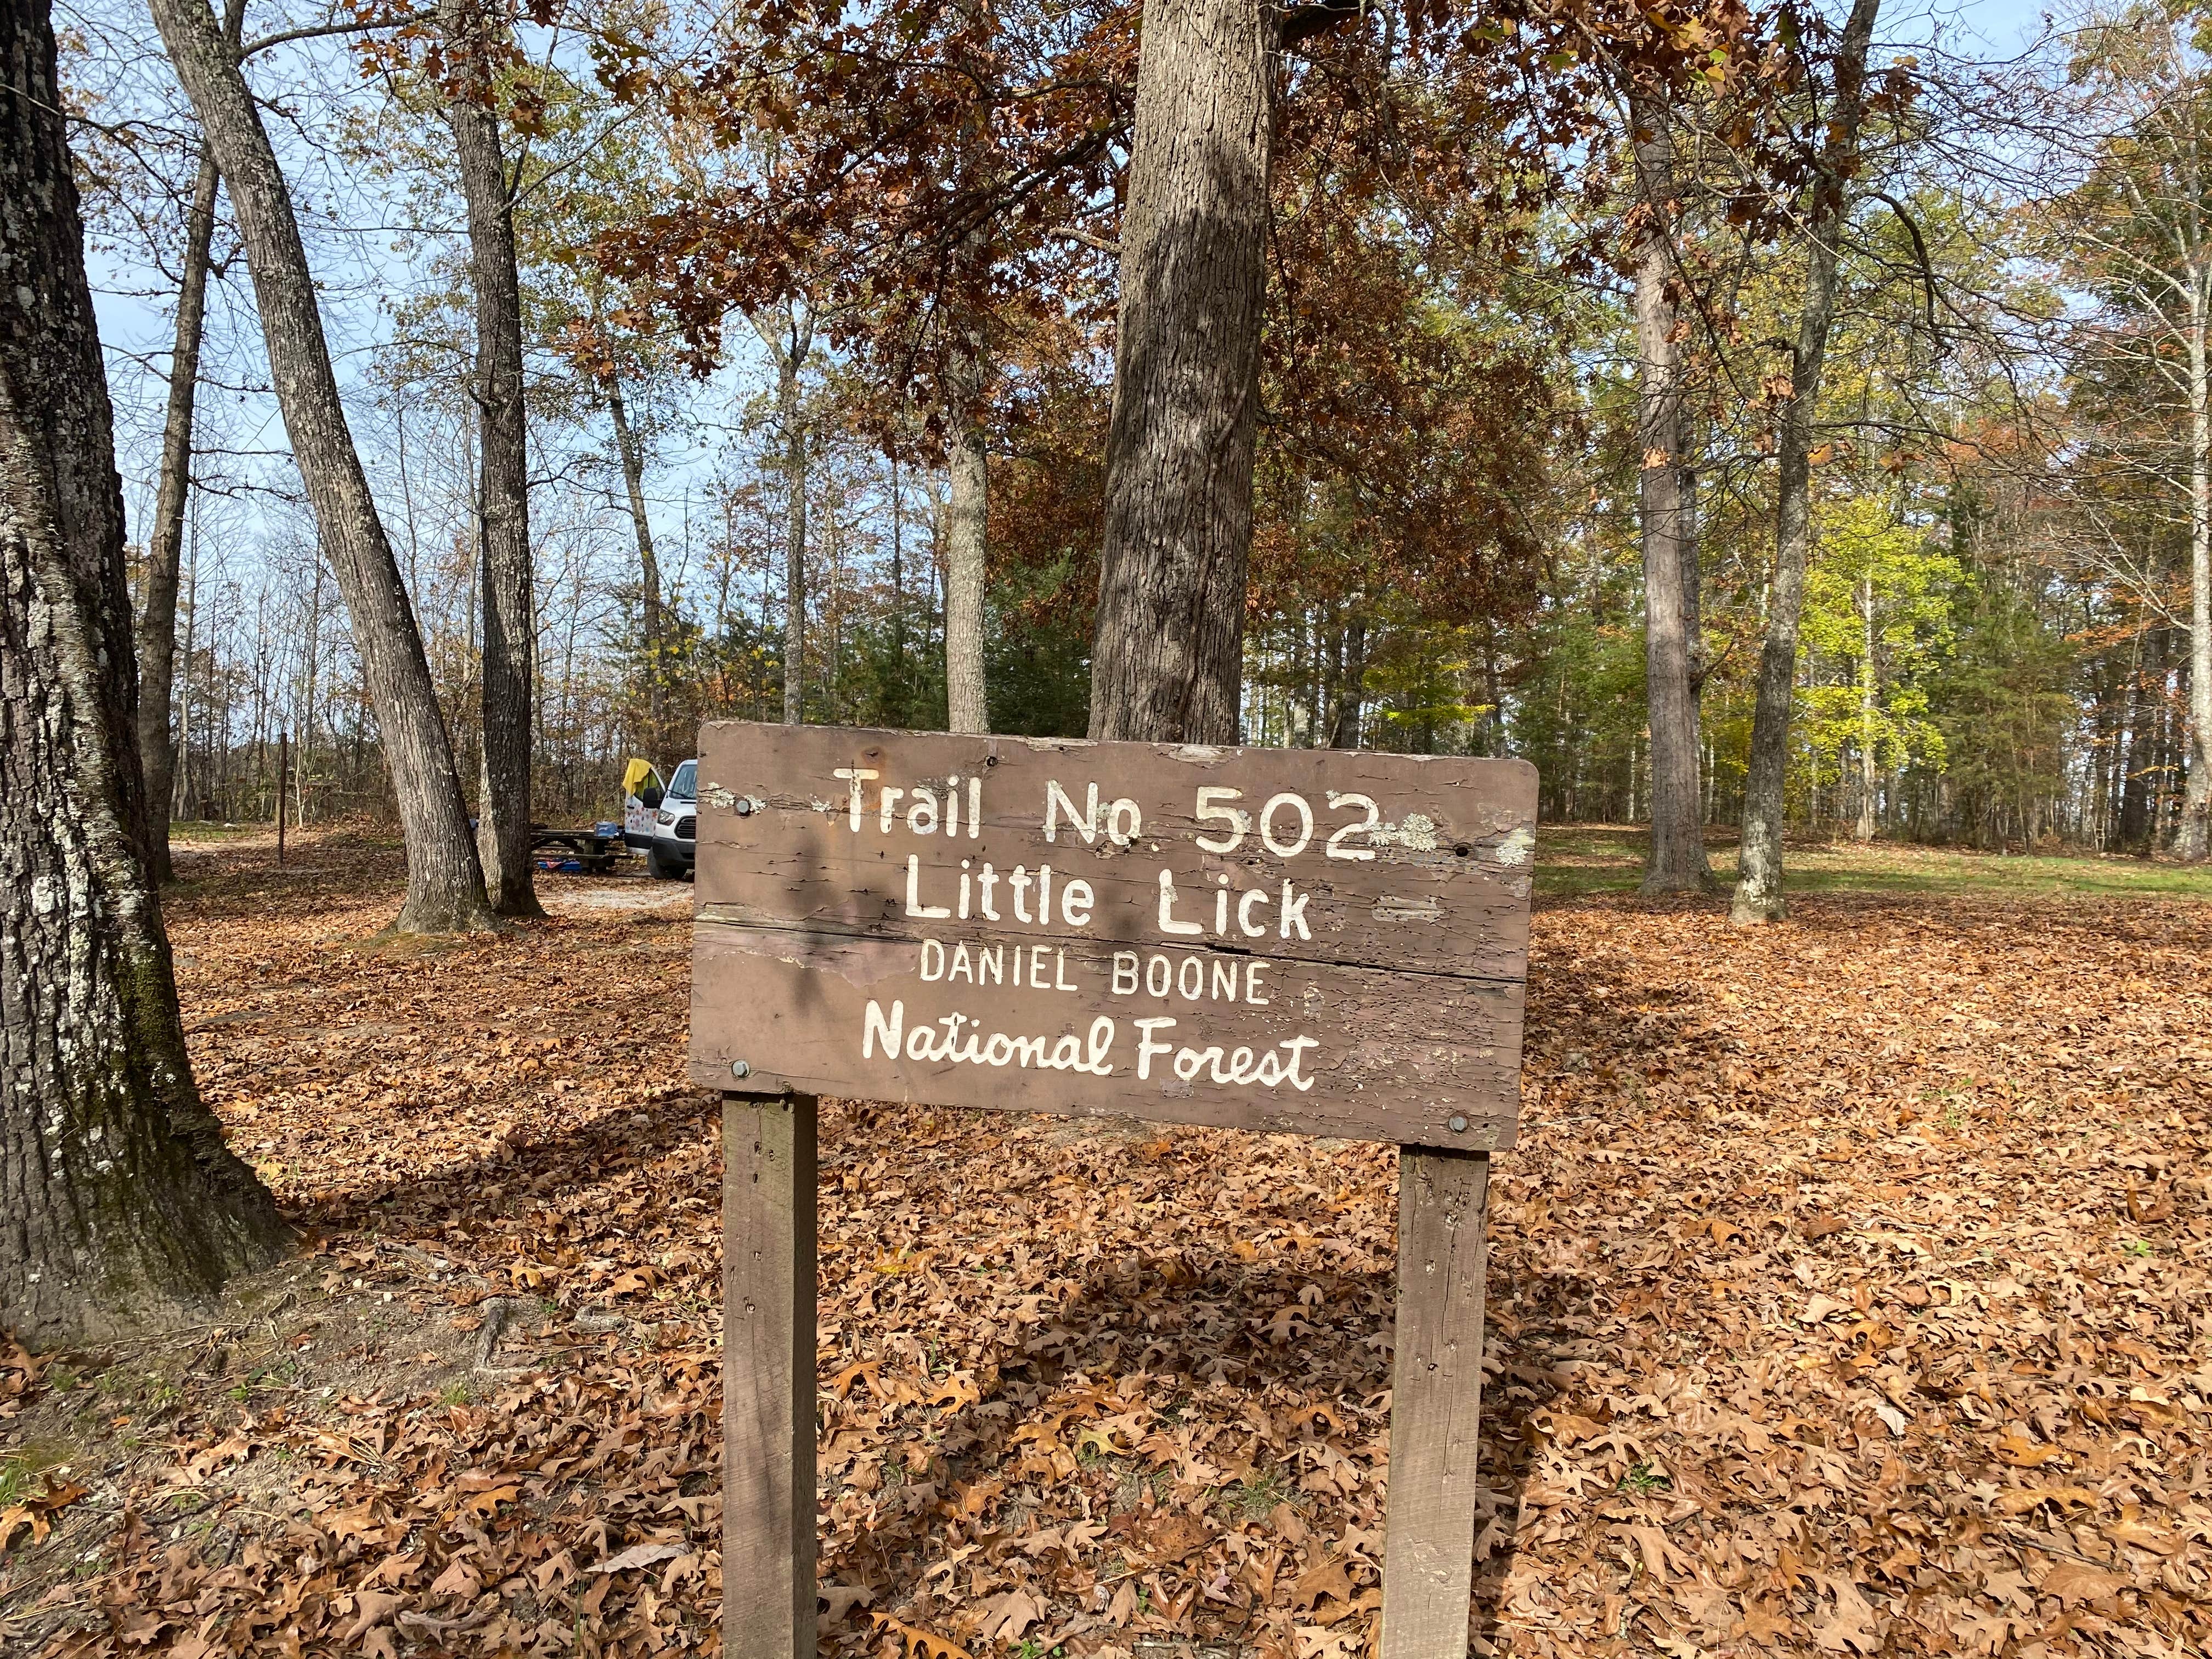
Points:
(1759, 871)
(123, 1206)
(165, 542)
(445, 881)
(1666, 510)
(476, 45)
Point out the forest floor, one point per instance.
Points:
(1848, 1295)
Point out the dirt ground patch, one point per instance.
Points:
(1848, 1296)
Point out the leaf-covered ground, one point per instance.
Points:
(1848, 1296)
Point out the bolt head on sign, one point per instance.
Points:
(1314, 941)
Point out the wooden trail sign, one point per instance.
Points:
(1317, 942)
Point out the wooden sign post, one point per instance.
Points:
(1304, 941)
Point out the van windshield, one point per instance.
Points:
(680, 786)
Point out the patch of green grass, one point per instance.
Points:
(454, 1394)
(2137, 1247)
(1258, 1497)
(1643, 1480)
(199, 831)
(21, 1469)
(1573, 859)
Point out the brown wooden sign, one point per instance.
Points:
(1325, 942)
(1314, 941)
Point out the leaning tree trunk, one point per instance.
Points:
(1758, 868)
(473, 46)
(966, 531)
(445, 882)
(1168, 656)
(123, 1206)
(1665, 518)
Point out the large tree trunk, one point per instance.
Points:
(445, 882)
(1168, 656)
(123, 1206)
(1667, 521)
(2194, 842)
(473, 46)
(966, 531)
(630, 458)
(1758, 869)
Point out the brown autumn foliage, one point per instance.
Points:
(1848, 1296)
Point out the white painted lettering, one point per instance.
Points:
(1059, 972)
(1294, 913)
(932, 960)
(922, 817)
(1146, 1048)
(1280, 850)
(1076, 899)
(856, 776)
(1019, 881)
(1252, 971)
(1159, 974)
(1125, 973)
(962, 966)
(884, 814)
(1245, 925)
(984, 883)
(875, 1027)
(914, 907)
(1168, 923)
(1056, 800)
(1238, 820)
(1190, 978)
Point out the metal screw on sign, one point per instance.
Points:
(1458, 1124)
(739, 1068)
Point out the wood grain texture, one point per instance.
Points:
(1435, 1402)
(1382, 900)
(1398, 1056)
(768, 1377)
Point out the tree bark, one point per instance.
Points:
(445, 882)
(1168, 656)
(123, 1206)
(788, 341)
(1666, 521)
(1351, 686)
(474, 44)
(1869, 770)
(165, 545)
(630, 457)
(2194, 842)
(966, 539)
(1758, 867)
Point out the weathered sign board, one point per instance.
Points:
(1316, 942)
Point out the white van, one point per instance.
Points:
(669, 854)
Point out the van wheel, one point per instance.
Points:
(659, 870)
